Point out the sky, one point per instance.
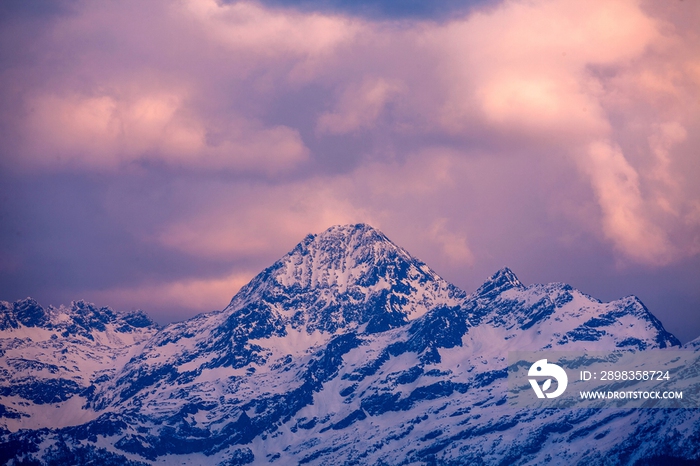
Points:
(157, 155)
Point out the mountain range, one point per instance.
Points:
(347, 350)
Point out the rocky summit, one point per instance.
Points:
(347, 350)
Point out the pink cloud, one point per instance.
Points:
(359, 107)
(199, 295)
(608, 90)
(279, 218)
(617, 188)
(109, 132)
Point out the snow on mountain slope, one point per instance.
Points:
(349, 351)
(346, 278)
(52, 359)
(556, 315)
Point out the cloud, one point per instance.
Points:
(268, 33)
(454, 245)
(175, 91)
(273, 219)
(198, 295)
(616, 185)
(359, 107)
(661, 141)
(557, 77)
(108, 133)
(525, 65)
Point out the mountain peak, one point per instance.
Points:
(352, 267)
(497, 283)
(26, 312)
(344, 239)
(350, 228)
(342, 257)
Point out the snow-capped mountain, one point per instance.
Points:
(56, 357)
(345, 351)
(347, 279)
(556, 315)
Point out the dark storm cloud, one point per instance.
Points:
(387, 9)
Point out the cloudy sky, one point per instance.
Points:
(158, 154)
